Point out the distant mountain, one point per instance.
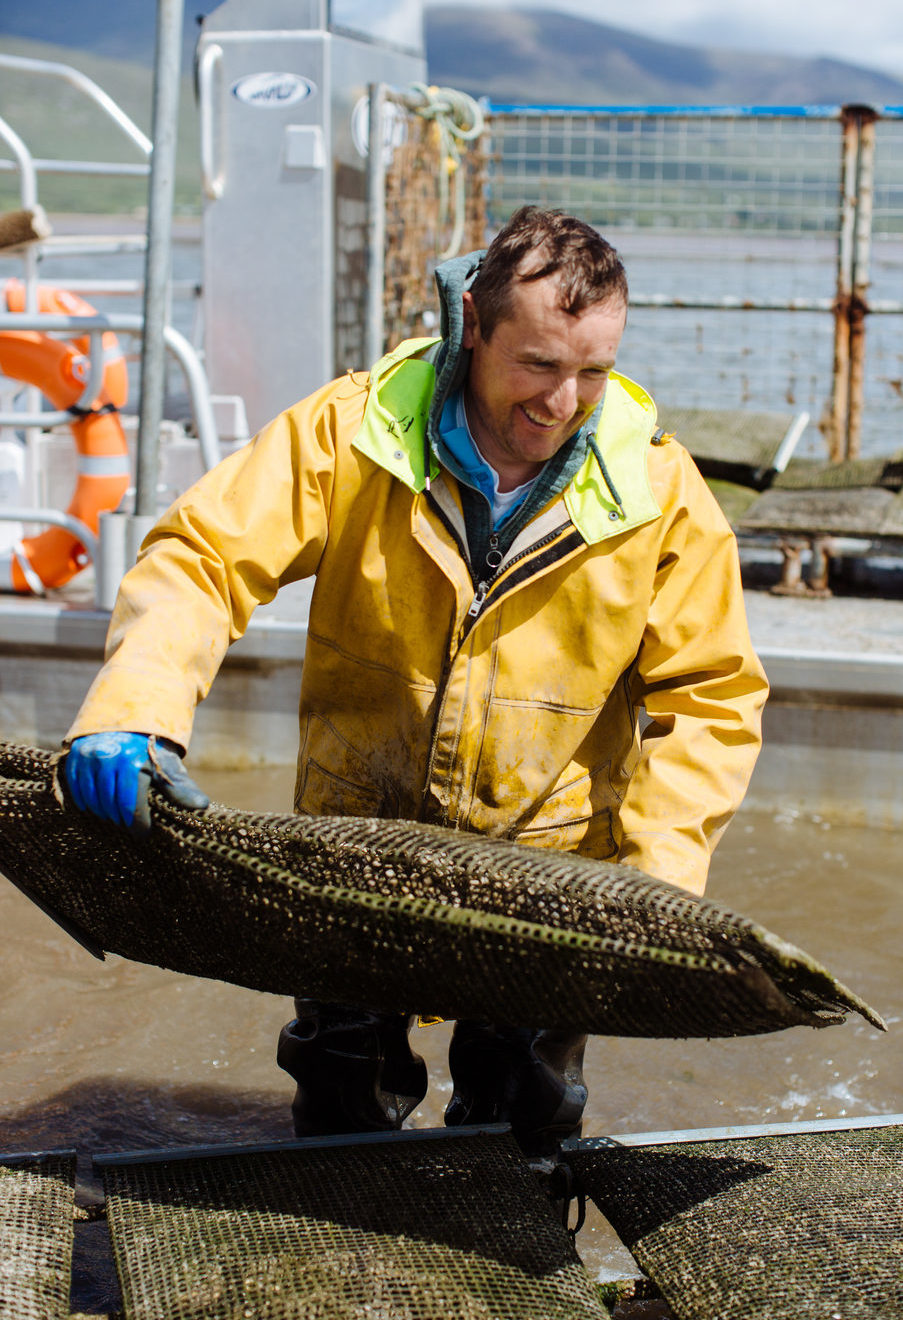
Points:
(530, 56)
(524, 55)
(538, 56)
(125, 30)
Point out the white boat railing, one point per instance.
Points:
(115, 548)
(120, 323)
(33, 419)
(64, 72)
(29, 167)
(52, 518)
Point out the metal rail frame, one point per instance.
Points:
(157, 336)
(739, 1132)
(120, 323)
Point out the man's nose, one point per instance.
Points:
(561, 400)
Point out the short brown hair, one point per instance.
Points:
(589, 269)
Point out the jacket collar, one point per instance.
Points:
(601, 505)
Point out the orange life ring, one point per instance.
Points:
(59, 368)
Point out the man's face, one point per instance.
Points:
(539, 376)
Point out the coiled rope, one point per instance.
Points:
(457, 118)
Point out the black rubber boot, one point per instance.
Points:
(530, 1079)
(355, 1069)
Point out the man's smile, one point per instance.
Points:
(547, 423)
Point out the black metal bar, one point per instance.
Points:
(300, 1143)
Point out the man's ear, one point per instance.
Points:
(471, 320)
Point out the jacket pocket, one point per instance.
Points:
(591, 837)
(323, 794)
(333, 776)
(576, 817)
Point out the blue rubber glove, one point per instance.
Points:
(110, 774)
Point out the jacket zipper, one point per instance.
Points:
(476, 606)
(479, 599)
(486, 585)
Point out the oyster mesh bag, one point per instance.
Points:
(453, 1228)
(807, 1226)
(402, 916)
(37, 1205)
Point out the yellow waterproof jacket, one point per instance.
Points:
(510, 708)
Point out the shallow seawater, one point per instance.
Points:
(119, 1056)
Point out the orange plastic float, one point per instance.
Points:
(59, 368)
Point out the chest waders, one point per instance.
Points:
(356, 1072)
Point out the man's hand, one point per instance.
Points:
(110, 774)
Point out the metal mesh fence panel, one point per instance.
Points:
(733, 360)
(887, 202)
(406, 917)
(798, 1227)
(681, 172)
(729, 222)
(37, 1203)
(883, 353)
(410, 1229)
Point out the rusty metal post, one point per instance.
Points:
(837, 426)
(865, 190)
(856, 387)
(851, 300)
(820, 566)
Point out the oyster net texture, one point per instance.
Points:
(412, 1229)
(407, 917)
(37, 1205)
(801, 1227)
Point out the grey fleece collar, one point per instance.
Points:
(452, 359)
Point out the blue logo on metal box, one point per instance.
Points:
(272, 90)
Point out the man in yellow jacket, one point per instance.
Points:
(514, 568)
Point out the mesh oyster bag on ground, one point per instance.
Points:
(414, 1229)
(790, 1227)
(37, 1200)
(403, 916)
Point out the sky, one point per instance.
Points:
(868, 32)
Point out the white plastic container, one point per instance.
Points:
(12, 487)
